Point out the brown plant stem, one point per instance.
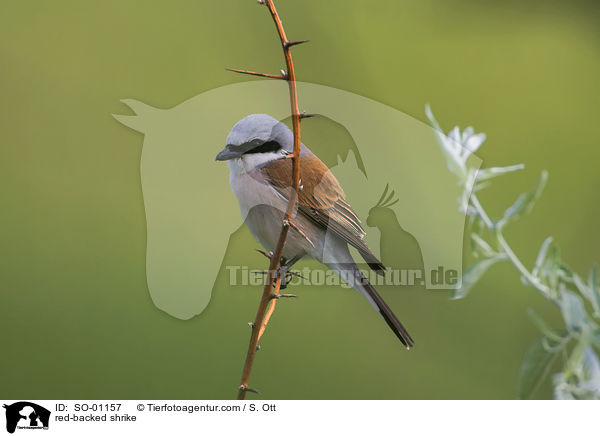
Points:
(273, 280)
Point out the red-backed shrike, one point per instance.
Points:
(326, 224)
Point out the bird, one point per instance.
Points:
(325, 225)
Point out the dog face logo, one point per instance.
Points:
(26, 415)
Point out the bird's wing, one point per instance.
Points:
(321, 199)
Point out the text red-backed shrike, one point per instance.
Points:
(261, 180)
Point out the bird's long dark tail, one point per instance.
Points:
(352, 275)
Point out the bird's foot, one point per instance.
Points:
(284, 269)
(287, 276)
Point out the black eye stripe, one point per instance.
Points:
(266, 147)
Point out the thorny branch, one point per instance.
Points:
(270, 293)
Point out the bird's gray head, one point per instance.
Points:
(257, 133)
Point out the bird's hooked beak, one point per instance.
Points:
(227, 153)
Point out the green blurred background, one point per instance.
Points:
(75, 313)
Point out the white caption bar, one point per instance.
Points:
(149, 417)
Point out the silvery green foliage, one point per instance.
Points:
(573, 343)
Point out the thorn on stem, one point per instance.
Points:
(287, 155)
(305, 115)
(254, 73)
(245, 388)
(288, 44)
(278, 296)
(264, 253)
(251, 324)
(284, 74)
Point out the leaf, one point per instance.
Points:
(580, 380)
(594, 288)
(590, 290)
(490, 173)
(534, 369)
(470, 142)
(481, 246)
(549, 332)
(574, 363)
(541, 257)
(463, 201)
(595, 337)
(480, 186)
(578, 281)
(473, 274)
(591, 363)
(524, 202)
(449, 145)
(565, 273)
(591, 366)
(572, 309)
(476, 224)
(551, 267)
(562, 389)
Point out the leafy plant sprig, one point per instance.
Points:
(574, 342)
